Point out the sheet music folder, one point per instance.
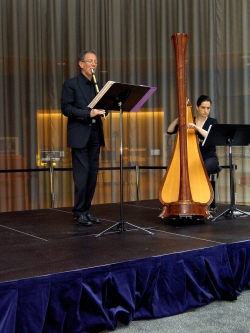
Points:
(221, 134)
(131, 96)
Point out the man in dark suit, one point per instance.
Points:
(84, 135)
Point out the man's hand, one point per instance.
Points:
(97, 112)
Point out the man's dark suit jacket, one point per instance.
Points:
(77, 93)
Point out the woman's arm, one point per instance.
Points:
(172, 126)
(198, 129)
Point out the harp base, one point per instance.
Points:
(185, 209)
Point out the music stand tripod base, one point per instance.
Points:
(124, 97)
(230, 213)
(229, 135)
(120, 227)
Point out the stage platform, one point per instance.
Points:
(73, 281)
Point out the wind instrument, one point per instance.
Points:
(96, 86)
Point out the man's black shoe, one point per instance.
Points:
(92, 218)
(82, 220)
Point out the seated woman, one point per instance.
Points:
(201, 124)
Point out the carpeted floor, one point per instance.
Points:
(217, 317)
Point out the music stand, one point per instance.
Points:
(228, 135)
(121, 97)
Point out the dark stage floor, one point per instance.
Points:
(42, 242)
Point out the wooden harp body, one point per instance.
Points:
(186, 190)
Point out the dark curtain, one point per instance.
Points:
(39, 44)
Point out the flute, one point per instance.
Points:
(96, 86)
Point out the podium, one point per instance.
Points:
(229, 135)
(122, 97)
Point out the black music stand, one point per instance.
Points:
(229, 135)
(122, 97)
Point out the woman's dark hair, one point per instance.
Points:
(203, 98)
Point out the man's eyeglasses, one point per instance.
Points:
(90, 61)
